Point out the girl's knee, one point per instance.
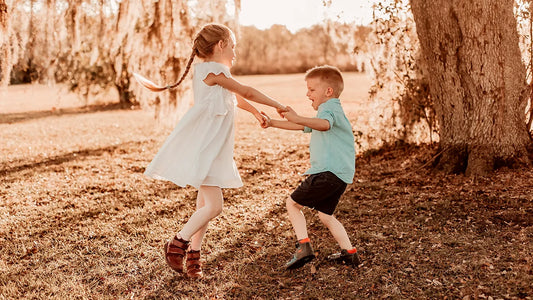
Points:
(212, 200)
(219, 209)
(215, 210)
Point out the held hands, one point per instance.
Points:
(290, 114)
(282, 109)
(267, 122)
(264, 119)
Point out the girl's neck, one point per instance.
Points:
(213, 59)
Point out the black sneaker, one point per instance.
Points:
(350, 259)
(303, 255)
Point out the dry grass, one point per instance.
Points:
(79, 220)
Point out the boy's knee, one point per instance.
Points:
(325, 218)
(291, 203)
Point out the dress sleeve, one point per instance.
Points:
(201, 71)
(213, 68)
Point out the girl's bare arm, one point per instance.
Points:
(245, 91)
(245, 105)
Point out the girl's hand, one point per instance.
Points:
(268, 121)
(261, 118)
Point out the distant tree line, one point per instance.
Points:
(277, 50)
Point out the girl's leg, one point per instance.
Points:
(297, 218)
(213, 203)
(336, 229)
(196, 240)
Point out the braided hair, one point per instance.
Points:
(204, 45)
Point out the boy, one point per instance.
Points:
(332, 154)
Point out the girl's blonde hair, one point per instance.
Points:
(204, 44)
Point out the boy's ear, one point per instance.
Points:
(329, 91)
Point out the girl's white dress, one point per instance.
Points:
(199, 151)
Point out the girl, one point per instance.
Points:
(199, 152)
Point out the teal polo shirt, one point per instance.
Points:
(333, 150)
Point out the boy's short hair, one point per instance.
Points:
(331, 75)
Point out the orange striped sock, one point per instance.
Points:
(354, 250)
(306, 240)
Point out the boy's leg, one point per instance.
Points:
(348, 254)
(213, 203)
(297, 218)
(336, 229)
(304, 252)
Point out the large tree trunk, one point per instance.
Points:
(478, 81)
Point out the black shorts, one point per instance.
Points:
(320, 191)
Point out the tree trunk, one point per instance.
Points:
(5, 52)
(122, 83)
(477, 79)
(4, 18)
(72, 21)
(125, 96)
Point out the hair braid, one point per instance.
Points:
(191, 59)
(203, 47)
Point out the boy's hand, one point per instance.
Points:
(262, 118)
(290, 115)
(268, 121)
(282, 110)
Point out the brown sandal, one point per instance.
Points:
(194, 265)
(174, 253)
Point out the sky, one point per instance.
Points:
(297, 14)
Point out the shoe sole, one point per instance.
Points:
(343, 260)
(300, 263)
(348, 263)
(196, 276)
(165, 251)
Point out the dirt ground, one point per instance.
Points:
(79, 220)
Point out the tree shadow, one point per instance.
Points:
(67, 157)
(10, 118)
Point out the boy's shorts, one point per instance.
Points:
(320, 191)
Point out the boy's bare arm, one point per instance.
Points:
(313, 123)
(288, 125)
(281, 124)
